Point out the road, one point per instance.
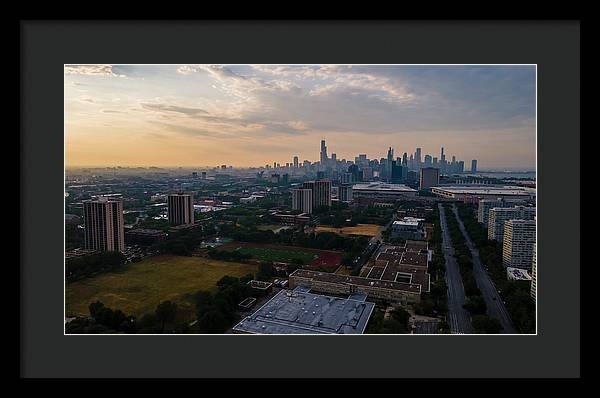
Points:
(458, 318)
(495, 305)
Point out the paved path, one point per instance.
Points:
(495, 305)
(458, 318)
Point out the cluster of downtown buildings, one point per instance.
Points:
(385, 178)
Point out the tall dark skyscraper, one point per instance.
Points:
(396, 173)
(474, 166)
(295, 162)
(323, 153)
(427, 161)
(442, 162)
(418, 158)
(389, 164)
(405, 160)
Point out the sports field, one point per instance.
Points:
(272, 227)
(277, 255)
(326, 260)
(139, 288)
(359, 229)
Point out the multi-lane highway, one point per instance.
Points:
(495, 305)
(458, 318)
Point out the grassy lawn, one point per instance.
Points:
(268, 227)
(278, 255)
(343, 271)
(360, 229)
(141, 286)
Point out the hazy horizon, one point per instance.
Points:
(252, 115)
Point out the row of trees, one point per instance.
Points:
(340, 215)
(397, 323)
(516, 294)
(216, 312)
(435, 302)
(294, 237)
(184, 242)
(80, 267)
(104, 319)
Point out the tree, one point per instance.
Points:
(95, 308)
(227, 280)
(475, 305)
(265, 271)
(212, 322)
(165, 313)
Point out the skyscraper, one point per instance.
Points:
(323, 153)
(474, 166)
(427, 161)
(418, 158)
(104, 225)
(302, 199)
(295, 162)
(180, 209)
(390, 154)
(442, 162)
(389, 164)
(396, 172)
(405, 159)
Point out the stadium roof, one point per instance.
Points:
(381, 186)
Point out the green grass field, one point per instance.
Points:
(142, 286)
(278, 255)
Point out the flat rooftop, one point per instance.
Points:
(296, 312)
(411, 221)
(357, 280)
(485, 189)
(80, 253)
(381, 186)
(144, 231)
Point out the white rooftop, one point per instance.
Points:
(412, 221)
(382, 186)
(487, 189)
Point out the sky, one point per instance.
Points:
(253, 115)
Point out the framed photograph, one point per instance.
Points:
(332, 197)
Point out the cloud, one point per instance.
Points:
(174, 108)
(91, 70)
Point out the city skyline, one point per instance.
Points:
(253, 115)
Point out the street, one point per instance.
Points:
(495, 305)
(458, 318)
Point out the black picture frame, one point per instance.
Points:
(47, 45)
